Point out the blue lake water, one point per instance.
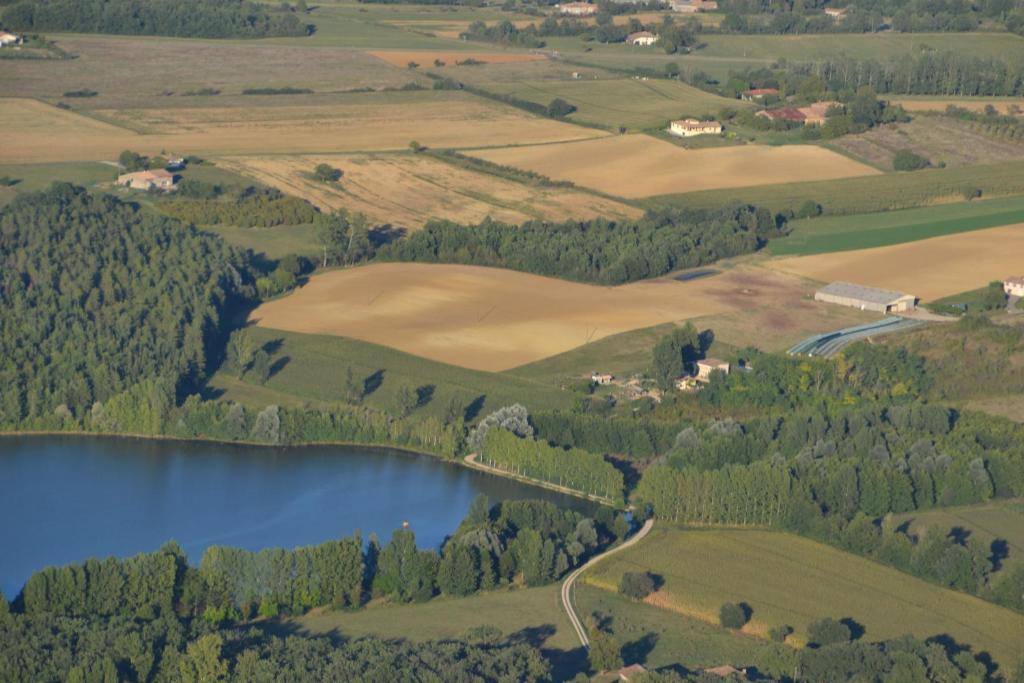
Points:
(65, 499)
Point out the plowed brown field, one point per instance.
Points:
(929, 269)
(642, 166)
(493, 319)
(407, 190)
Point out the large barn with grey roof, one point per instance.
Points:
(866, 298)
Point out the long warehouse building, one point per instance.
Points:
(866, 298)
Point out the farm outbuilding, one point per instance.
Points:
(866, 298)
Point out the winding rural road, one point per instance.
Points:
(581, 632)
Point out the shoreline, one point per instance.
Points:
(465, 462)
(470, 462)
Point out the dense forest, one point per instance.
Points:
(155, 617)
(601, 251)
(183, 18)
(98, 296)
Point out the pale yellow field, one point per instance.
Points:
(930, 269)
(1002, 104)
(642, 166)
(407, 190)
(36, 132)
(493, 319)
(401, 58)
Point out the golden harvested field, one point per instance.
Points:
(36, 132)
(401, 58)
(929, 269)
(1002, 104)
(407, 190)
(493, 319)
(641, 166)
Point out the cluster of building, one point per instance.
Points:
(866, 298)
(643, 38)
(811, 115)
(7, 38)
(688, 128)
(637, 387)
(577, 9)
(693, 6)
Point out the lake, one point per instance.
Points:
(65, 498)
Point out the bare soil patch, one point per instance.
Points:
(493, 319)
(401, 58)
(641, 166)
(407, 190)
(929, 269)
(937, 138)
(354, 123)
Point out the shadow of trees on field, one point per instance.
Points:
(373, 382)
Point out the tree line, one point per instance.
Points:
(599, 250)
(183, 18)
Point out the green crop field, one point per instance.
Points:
(842, 233)
(632, 103)
(988, 522)
(313, 368)
(791, 580)
(866, 194)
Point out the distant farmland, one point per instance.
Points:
(791, 580)
(931, 268)
(641, 166)
(372, 121)
(406, 190)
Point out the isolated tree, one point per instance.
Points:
(827, 631)
(352, 388)
(438, 63)
(332, 232)
(636, 585)
(416, 147)
(406, 399)
(559, 108)
(605, 654)
(240, 350)
(132, 161)
(261, 365)
(326, 173)
(731, 615)
(907, 160)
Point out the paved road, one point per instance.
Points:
(581, 632)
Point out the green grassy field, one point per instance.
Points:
(532, 615)
(841, 233)
(272, 243)
(314, 369)
(611, 103)
(988, 522)
(656, 637)
(791, 580)
(34, 177)
(867, 194)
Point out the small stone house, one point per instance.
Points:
(687, 128)
(708, 365)
(601, 378)
(643, 38)
(147, 180)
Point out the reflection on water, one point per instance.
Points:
(64, 499)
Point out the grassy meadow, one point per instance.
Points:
(861, 231)
(994, 522)
(610, 103)
(34, 177)
(789, 580)
(312, 368)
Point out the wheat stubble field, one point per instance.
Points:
(406, 190)
(636, 166)
(493, 319)
(930, 269)
(36, 132)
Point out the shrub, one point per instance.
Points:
(326, 173)
(732, 616)
(780, 633)
(827, 631)
(559, 108)
(809, 209)
(84, 92)
(637, 585)
(905, 160)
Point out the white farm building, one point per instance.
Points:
(866, 298)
